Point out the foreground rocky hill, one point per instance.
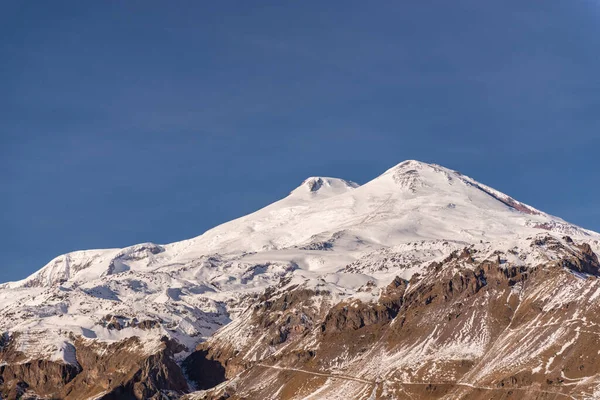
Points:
(420, 284)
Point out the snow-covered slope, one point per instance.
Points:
(411, 201)
(327, 232)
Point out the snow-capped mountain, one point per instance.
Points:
(284, 290)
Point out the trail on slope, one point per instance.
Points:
(356, 379)
(338, 376)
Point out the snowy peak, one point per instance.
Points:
(411, 201)
(411, 166)
(408, 165)
(323, 187)
(416, 177)
(411, 175)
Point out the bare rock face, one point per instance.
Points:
(40, 376)
(19, 375)
(122, 370)
(278, 318)
(353, 315)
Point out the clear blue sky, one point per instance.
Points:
(125, 122)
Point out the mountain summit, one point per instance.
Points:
(421, 276)
(323, 186)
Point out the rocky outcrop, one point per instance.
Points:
(126, 370)
(587, 262)
(38, 376)
(277, 319)
(156, 374)
(110, 371)
(20, 374)
(353, 315)
(118, 322)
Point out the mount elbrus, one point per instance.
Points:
(420, 284)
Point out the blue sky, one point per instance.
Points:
(126, 122)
